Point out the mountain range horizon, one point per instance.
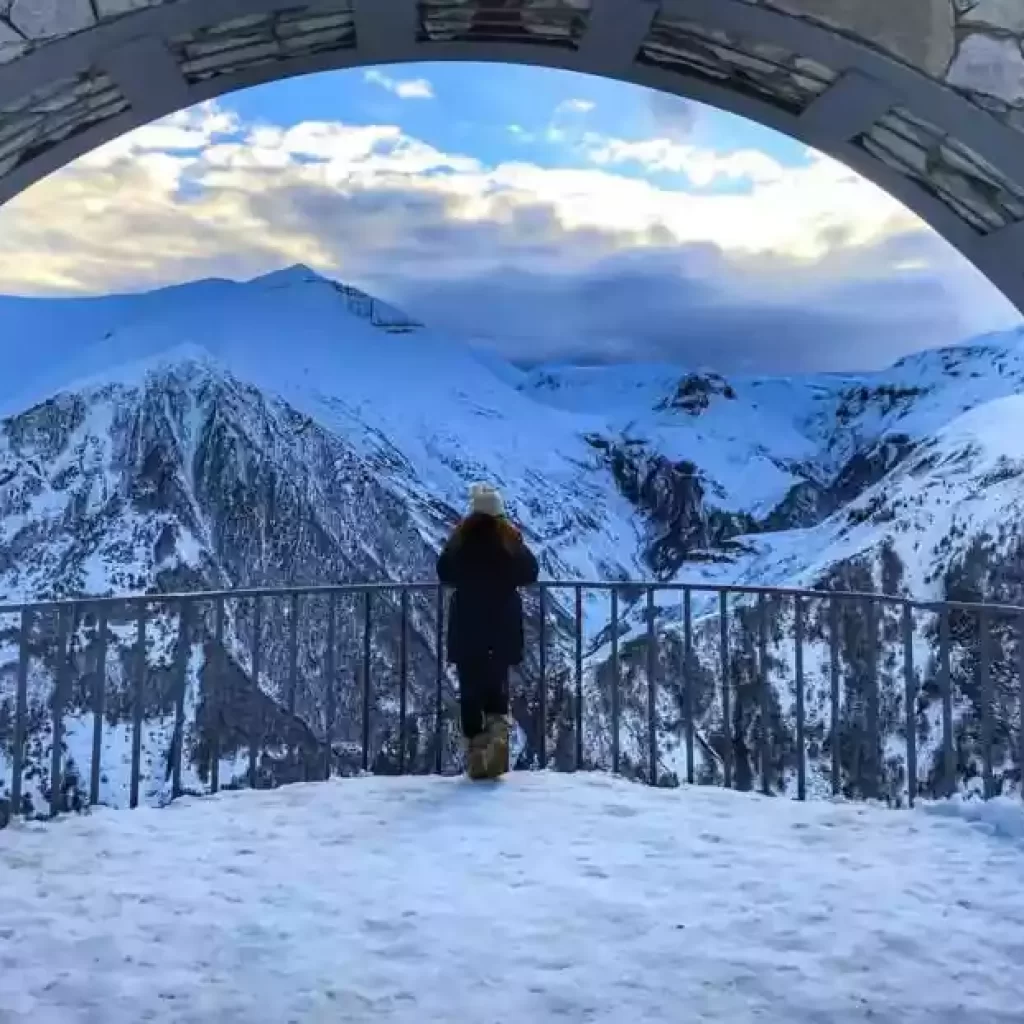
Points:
(294, 430)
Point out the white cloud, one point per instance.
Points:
(702, 166)
(568, 120)
(192, 129)
(575, 106)
(798, 255)
(347, 198)
(403, 88)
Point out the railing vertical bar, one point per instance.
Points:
(834, 725)
(873, 767)
(723, 641)
(291, 693)
(542, 666)
(439, 685)
(254, 696)
(367, 668)
(882, 628)
(60, 696)
(762, 671)
(330, 683)
(798, 635)
(293, 654)
(181, 682)
(213, 698)
(1020, 703)
(615, 679)
(910, 682)
(985, 669)
(579, 678)
(137, 698)
(688, 680)
(99, 697)
(652, 691)
(403, 680)
(20, 710)
(946, 686)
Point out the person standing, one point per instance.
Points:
(486, 560)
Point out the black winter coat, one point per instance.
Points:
(485, 560)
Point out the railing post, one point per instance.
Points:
(652, 692)
(542, 701)
(764, 748)
(254, 697)
(367, 687)
(798, 636)
(293, 653)
(20, 710)
(834, 730)
(137, 699)
(439, 684)
(615, 680)
(293, 669)
(874, 769)
(688, 680)
(99, 696)
(1020, 702)
(910, 681)
(213, 698)
(329, 683)
(946, 686)
(60, 696)
(403, 680)
(579, 678)
(181, 682)
(723, 642)
(985, 670)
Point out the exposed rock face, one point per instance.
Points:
(695, 392)
(192, 480)
(809, 502)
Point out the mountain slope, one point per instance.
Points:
(293, 431)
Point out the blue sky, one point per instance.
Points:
(544, 214)
(478, 107)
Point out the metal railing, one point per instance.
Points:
(792, 692)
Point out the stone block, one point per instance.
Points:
(990, 65)
(50, 19)
(920, 32)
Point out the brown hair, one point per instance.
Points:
(509, 534)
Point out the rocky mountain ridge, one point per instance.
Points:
(292, 431)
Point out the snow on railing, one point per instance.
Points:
(798, 692)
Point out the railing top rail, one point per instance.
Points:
(327, 589)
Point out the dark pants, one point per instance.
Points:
(483, 690)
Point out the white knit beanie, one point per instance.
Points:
(486, 500)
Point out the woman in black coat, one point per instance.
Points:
(486, 561)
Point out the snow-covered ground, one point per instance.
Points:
(540, 898)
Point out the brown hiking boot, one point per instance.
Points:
(496, 728)
(476, 756)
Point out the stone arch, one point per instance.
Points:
(923, 97)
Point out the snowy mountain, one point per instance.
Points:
(292, 431)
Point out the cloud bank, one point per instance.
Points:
(806, 267)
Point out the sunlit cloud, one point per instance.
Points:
(161, 187)
(702, 166)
